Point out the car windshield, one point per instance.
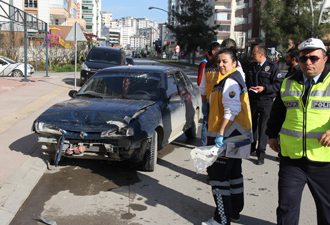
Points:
(104, 56)
(9, 60)
(124, 85)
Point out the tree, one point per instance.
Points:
(291, 19)
(192, 29)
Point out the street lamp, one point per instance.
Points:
(151, 7)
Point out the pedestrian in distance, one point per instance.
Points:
(229, 116)
(263, 80)
(292, 60)
(300, 115)
(214, 47)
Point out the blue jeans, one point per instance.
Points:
(204, 131)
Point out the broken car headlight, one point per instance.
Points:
(128, 131)
(42, 127)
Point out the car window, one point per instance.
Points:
(187, 81)
(2, 62)
(120, 84)
(8, 60)
(181, 83)
(104, 56)
(172, 88)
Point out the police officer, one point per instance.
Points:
(301, 115)
(263, 81)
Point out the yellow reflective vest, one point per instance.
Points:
(242, 124)
(304, 124)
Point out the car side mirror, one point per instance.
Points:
(175, 99)
(73, 93)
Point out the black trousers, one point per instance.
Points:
(226, 180)
(260, 111)
(293, 175)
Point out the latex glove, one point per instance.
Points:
(219, 142)
(205, 110)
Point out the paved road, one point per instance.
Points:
(94, 192)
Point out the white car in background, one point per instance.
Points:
(9, 67)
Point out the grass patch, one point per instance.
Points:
(58, 67)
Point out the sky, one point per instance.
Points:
(137, 9)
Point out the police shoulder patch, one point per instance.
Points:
(279, 75)
(232, 94)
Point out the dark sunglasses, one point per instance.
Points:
(313, 58)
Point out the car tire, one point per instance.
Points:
(149, 161)
(191, 133)
(17, 73)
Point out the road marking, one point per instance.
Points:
(15, 117)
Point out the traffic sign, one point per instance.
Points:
(177, 48)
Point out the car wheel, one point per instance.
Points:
(192, 131)
(17, 73)
(150, 157)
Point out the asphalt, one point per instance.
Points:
(22, 163)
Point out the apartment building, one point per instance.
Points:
(106, 18)
(137, 42)
(114, 37)
(90, 10)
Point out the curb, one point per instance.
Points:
(19, 186)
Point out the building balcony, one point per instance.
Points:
(87, 1)
(222, 22)
(59, 12)
(223, 33)
(222, 1)
(241, 27)
(64, 6)
(242, 6)
(239, 21)
(240, 12)
(87, 11)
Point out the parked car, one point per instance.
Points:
(137, 55)
(99, 58)
(130, 60)
(174, 57)
(122, 113)
(9, 67)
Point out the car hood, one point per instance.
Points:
(99, 66)
(94, 115)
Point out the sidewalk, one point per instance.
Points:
(21, 160)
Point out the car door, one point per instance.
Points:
(174, 113)
(185, 91)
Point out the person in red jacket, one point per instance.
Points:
(214, 48)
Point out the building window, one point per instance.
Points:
(249, 34)
(250, 3)
(225, 28)
(249, 18)
(31, 3)
(227, 5)
(222, 16)
(56, 22)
